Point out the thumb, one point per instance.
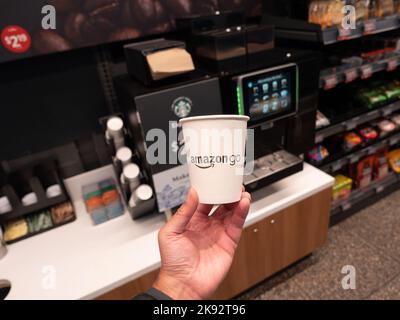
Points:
(181, 218)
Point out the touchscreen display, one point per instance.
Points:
(271, 94)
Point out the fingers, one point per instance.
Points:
(246, 195)
(204, 209)
(222, 210)
(234, 224)
(240, 213)
(181, 218)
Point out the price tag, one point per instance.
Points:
(379, 189)
(386, 112)
(350, 75)
(336, 166)
(394, 141)
(366, 71)
(344, 34)
(391, 65)
(354, 159)
(350, 125)
(372, 150)
(319, 138)
(369, 26)
(346, 206)
(330, 82)
(15, 39)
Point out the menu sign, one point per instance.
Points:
(35, 27)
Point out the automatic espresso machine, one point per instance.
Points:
(276, 87)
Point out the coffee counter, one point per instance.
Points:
(80, 261)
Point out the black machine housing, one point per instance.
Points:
(296, 133)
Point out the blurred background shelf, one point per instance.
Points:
(331, 77)
(362, 198)
(300, 30)
(353, 156)
(360, 116)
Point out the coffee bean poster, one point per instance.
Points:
(37, 27)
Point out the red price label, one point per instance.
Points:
(344, 34)
(391, 65)
(16, 39)
(330, 82)
(366, 72)
(350, 75)
(369, 26)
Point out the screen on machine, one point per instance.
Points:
(270, 94)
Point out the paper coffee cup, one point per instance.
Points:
(215, 150)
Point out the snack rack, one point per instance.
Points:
(293, 29)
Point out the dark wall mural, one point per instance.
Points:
(35, 27)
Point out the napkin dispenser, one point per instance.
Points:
(155, 60)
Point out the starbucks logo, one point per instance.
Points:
(182, 107)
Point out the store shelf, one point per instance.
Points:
(358, 197)
(354, 122)
(331, 77)
(355, 156)
(304, 31)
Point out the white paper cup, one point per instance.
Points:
(115, 127)
(124, 155)
(215, 148)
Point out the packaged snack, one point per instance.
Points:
(62, 213)
(364, 172)
(39, 221)
(326, 13)
(394, 160)
(341, 188)
(335, 12)
(392, 91)
(322, 120)
(396, 6)
(351, 140)
(381, 166)
(371, 98)
(318, 153)
(373, 9)
(15, 229)
(385, 127)
(368, 134)
(313, 9)
(385, 8)
(361, 9)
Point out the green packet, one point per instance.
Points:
(392, 91)
(39, 221)
(372, 99)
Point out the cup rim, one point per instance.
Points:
(216, 117)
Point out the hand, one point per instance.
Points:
(197, 249)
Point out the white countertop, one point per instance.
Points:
(80, 261)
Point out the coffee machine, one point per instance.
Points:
(280, 95)
(276, 87)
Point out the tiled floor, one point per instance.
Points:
(369, 241)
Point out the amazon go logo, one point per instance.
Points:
(215, 149)
(206, 162)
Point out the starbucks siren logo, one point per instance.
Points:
(182, 106)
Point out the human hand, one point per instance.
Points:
(197, 249)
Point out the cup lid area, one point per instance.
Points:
(144, 192)
(216, 117)
(124, 154)
(115, 124)
(131, 171)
